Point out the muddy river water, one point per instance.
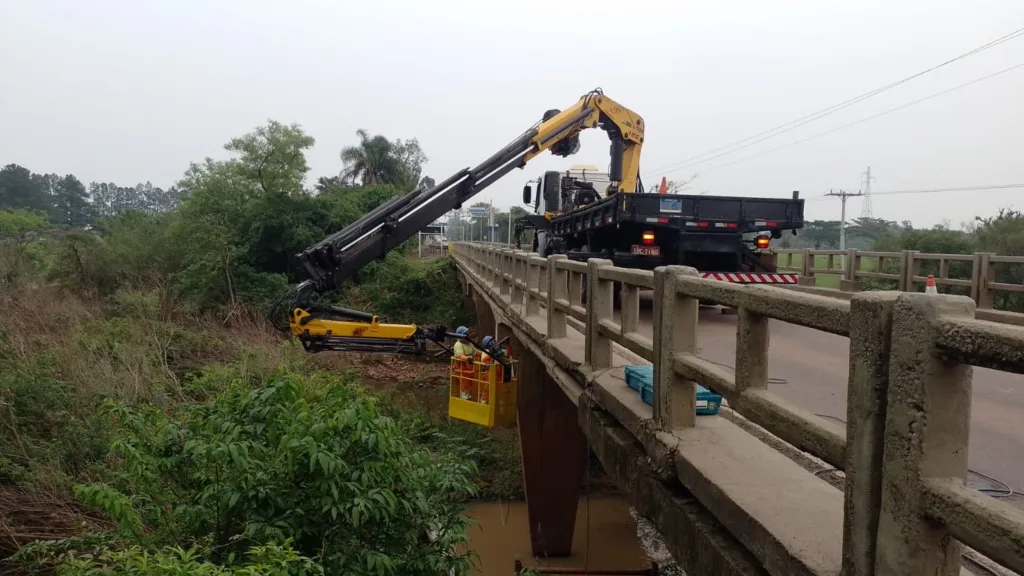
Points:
(605, 537)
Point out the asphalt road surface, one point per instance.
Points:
(814, 366)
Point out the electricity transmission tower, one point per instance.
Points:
(865, 210)
(843, 195)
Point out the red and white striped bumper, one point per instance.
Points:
(747, 278)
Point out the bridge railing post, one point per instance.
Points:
(532, 285)
(751, 351)
(492, 263)
(518, 274)
(927, 421)
(851, 265)
(675, 332)
(909, 267)
(558, 289)
(600, 301)
(867, 389)
(984, 274)
(504, 270)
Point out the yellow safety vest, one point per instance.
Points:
(464, 349)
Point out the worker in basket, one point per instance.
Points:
(463, 352)
(499, 355)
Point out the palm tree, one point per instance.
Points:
(372, 161)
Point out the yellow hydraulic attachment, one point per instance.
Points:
(343, 330)
(483, 392)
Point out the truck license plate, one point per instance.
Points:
(646, 250)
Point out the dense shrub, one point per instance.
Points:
(307, 460)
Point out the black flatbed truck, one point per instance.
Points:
(724, 237)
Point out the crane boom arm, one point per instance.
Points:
(343, 253)
(340, 255)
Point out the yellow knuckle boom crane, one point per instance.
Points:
(339, 256)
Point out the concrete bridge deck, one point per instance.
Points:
(725, 501)
(810, 369)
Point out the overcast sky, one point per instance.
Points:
(133, 90)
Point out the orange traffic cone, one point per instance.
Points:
(663, 189)
(929, 287)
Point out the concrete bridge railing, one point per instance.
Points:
(974, 274)
(905, 508)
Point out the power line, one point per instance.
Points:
(861, 121)
(929, 191)
(783, 128)
(958, 189)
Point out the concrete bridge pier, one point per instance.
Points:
(553, 450)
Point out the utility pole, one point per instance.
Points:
(865, 210)
(843, 195)
(510, 226)
(490, 222)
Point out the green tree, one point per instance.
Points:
(18, 189)
(71, 203)
(937, 240)
(245, 218)
(821, 234)
(873, 229)
(272, 157)
(47, 184)
(1004, 234)
(372, 161)
(377, 160)
(139, 248)
(411, 160)
(109, 199)
(17, 229)
(1001, 234)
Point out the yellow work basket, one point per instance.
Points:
(491, 392)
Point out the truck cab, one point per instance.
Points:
(557, 192)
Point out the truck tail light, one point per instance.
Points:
(648, 238)
(762, 242)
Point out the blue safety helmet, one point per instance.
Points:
(462, 330)
(487, 341)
